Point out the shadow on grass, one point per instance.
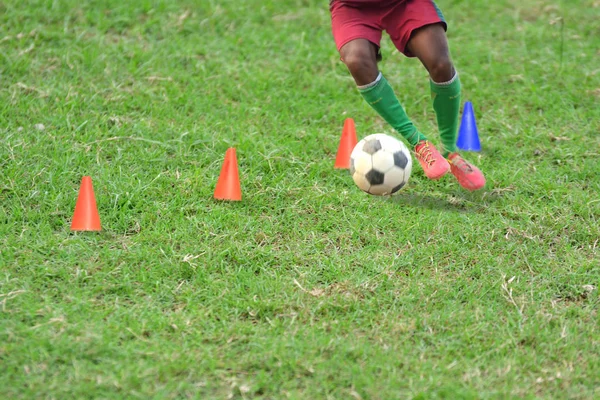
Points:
(448, 200)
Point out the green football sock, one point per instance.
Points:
(446, 103)
(381, 97)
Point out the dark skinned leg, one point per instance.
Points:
(360, 56)
(430, 45)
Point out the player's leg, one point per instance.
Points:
(430, 45)
(357, 35)
(399, 21)
(418, 29)
(360, 56)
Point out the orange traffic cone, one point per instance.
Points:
(228, 185)
(86, 217)
(347, 143)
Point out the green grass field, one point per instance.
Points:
(308, 288)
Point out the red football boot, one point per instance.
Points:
(468, 175)
(434, 165)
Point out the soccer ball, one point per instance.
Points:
(380, 164)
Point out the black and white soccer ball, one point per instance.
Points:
(380, 164)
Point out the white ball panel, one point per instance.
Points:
(394, 177)
(390, 143)
(361, 181)
(383, 161)
(357, 149)
(363, 163)
(380, 190)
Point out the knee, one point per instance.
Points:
(441, 70)
(357, 60)
(362, 65)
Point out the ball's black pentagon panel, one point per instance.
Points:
(352, 168)
(372, 146)
(400, 159)
(375, 177)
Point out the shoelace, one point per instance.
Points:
(462, 164)
(425, 154)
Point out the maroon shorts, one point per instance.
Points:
(367, 19)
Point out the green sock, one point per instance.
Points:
(446, 103)
(381, 97)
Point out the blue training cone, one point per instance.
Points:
(468, 138)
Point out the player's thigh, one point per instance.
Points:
(349, 24)
(406, 19)
(430, 44)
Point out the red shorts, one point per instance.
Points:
(367, 19)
